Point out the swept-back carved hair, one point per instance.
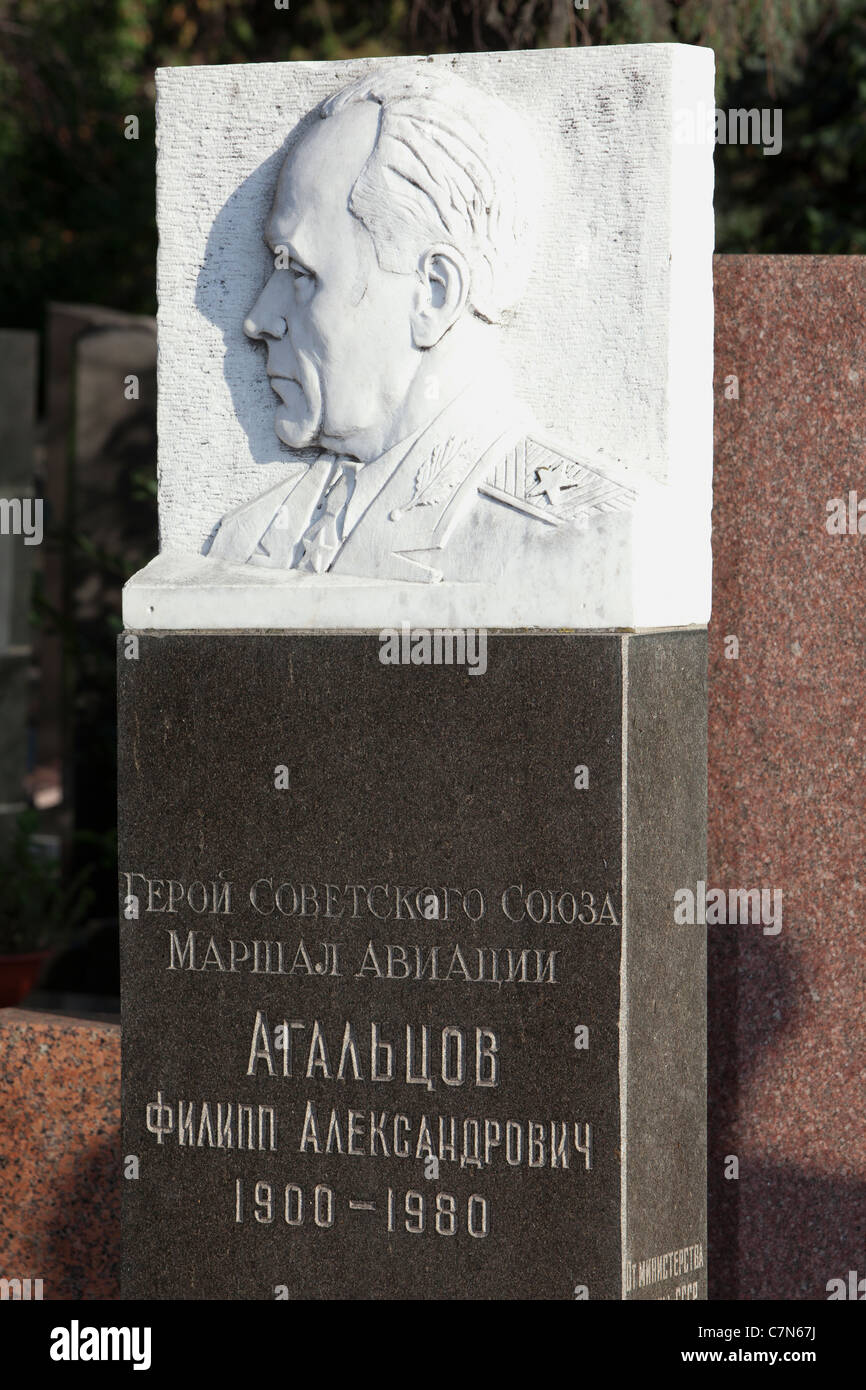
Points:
(450, 165)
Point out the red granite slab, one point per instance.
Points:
(787, 778)
(60, 1154)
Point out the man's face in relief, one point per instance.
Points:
(337, 327)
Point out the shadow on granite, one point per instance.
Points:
(776, 1231)
(787, 776)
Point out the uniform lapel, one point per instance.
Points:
(293, 517)
(293, 499)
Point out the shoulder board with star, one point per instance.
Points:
(544, 483)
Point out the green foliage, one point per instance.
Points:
(77, 215)
(810, 197)
(769, 34)
(37, 909)
(771, 30)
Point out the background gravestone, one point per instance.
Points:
(406, 1010)
(98, 483)
(18, 376)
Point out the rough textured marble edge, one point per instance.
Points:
(177, 591)
(691, 340)
(665, 371)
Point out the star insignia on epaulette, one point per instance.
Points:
(573, 490)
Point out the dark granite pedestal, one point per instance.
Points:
(406, 1011)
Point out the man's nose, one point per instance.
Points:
(266, 319)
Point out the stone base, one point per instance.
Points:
(494, 1079)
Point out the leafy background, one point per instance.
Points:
(77, 212)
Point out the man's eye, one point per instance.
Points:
(283, 261)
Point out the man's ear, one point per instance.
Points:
(441, 295)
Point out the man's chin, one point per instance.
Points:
(296, 434)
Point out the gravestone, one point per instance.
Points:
(18, 534)
(111, 510)
(100, 435)
(413, 702)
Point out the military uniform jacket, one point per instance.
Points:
(458, 501)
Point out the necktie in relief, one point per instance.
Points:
(324, 535)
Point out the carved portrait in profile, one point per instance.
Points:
(402, 236)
